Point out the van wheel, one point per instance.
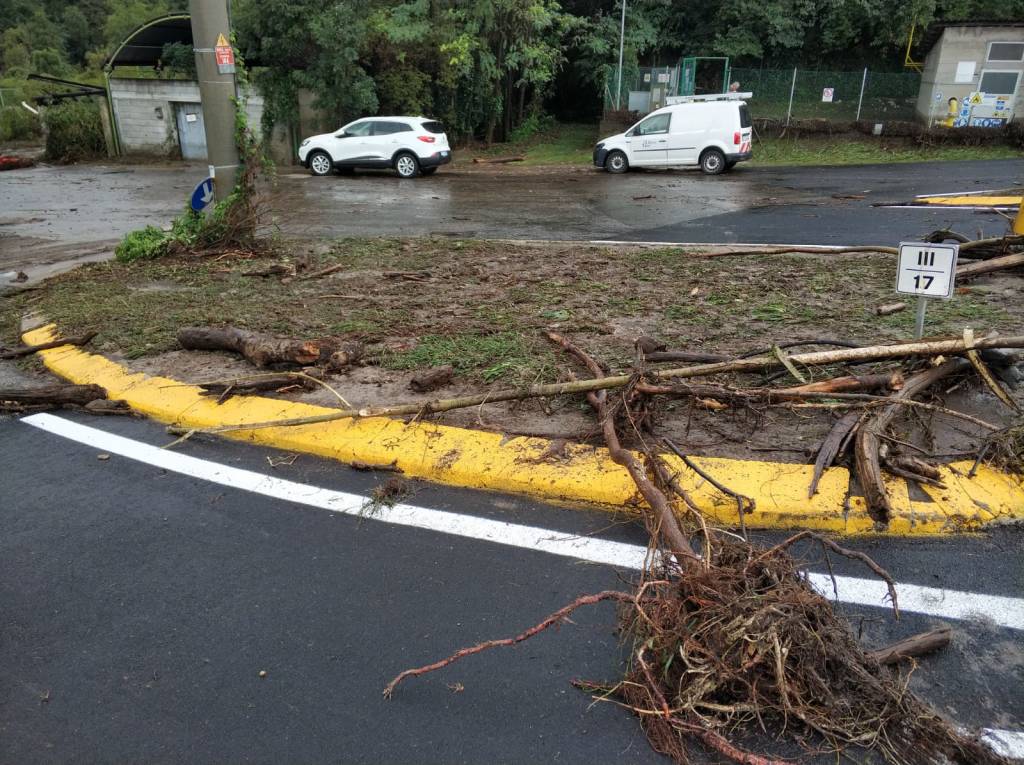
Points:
(320, 163)
(616, 162)
(712, 162)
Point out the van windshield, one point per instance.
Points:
(744, 116)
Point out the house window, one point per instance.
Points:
(1006, 51)
(999, 83)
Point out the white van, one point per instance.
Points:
(712, 132)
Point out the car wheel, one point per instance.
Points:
(320, 163)
(712, 162)
(616, 162)
(406, 166)
(428, 171)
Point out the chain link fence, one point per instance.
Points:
(781, 93)
(839, 96)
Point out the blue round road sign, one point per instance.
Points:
(203, 195)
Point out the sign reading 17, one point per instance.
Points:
(926, 269)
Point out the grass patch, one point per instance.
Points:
(504, 355)
(486, 305)
(561, 144)
(853, 150)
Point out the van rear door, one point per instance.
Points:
(746, 131)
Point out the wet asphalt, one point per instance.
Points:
(139, 607)
(57, 215)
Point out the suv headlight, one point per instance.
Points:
(304, 142)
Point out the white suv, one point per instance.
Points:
(411, 145)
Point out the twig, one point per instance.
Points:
(557, 616)
(826, 542)
(17, 353)
(744, 504)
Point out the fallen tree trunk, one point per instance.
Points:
(918, 645)
(52, 395)
(498, 160)
(17, 353)
(967, 270)
(868, 439)
(265, 350)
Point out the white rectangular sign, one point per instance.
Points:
(827, 94)
(927, 269)
(964, 72)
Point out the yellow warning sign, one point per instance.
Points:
(222, 41)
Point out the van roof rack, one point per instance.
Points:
(709, 97)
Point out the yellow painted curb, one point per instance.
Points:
(587, 474)
(972, 201)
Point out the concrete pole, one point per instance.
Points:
(860, 101)
(217, 92)
(792, 90)
(622, 45)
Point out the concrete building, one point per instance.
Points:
(165, 117)
(972, 74)
(157, 116)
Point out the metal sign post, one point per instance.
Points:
(928, 271)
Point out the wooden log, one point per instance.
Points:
(261, 350)
(52, 395)
(242, 386)
(967, 270)
(847, 384)
(918, 645)
(868, 439)
(17, 353)
(830, 448)
(498, 160)
(432, 379)
(889, 309)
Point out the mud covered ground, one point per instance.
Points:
(482, 307)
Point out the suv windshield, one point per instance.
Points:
(433, 127)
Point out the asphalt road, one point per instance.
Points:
(53, 216)
(139, 606)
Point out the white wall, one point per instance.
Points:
(144, 111)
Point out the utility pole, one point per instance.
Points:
(215, 68)
(622, 45)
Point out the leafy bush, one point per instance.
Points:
(533, 125)
(146, 243)
(74, 131)
(18, 124)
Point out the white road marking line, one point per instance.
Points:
(948, 604)
(932, 601)
(1009, 743)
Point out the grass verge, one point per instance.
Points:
(485, 305)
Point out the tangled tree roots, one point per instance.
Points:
(747, 644)
(737, 645)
